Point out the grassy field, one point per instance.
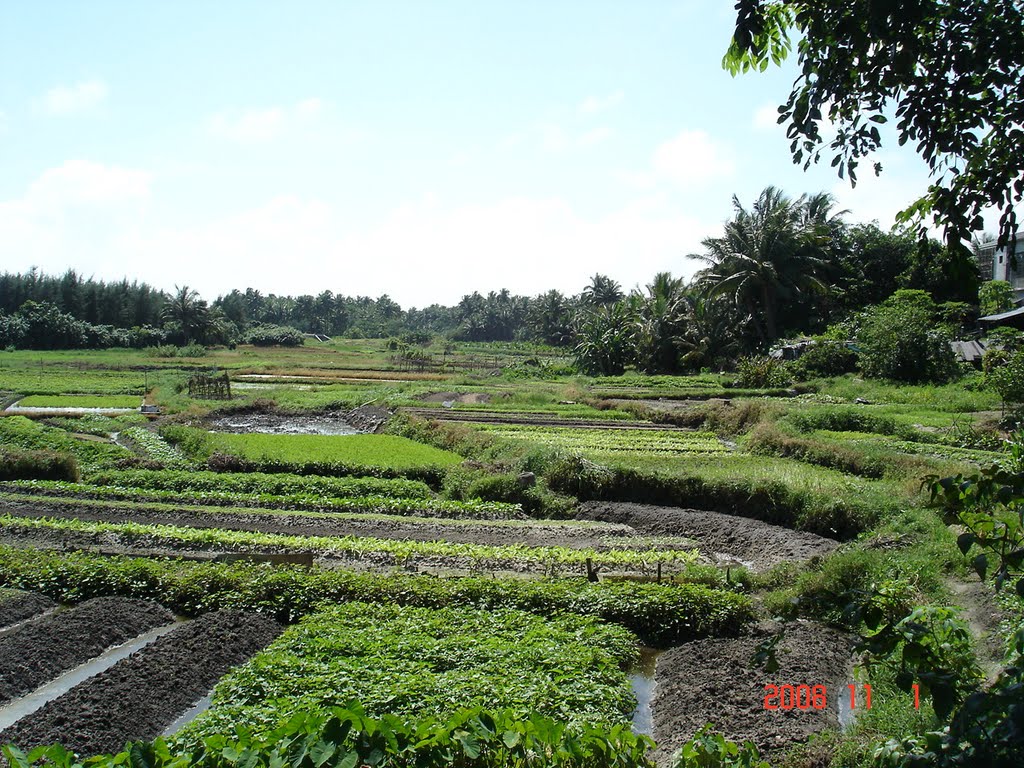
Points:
(80, 401)
(385, 451)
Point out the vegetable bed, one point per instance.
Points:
(386, 451)
(410, 662)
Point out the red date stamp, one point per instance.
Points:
(804, 697)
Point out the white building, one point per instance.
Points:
(995, 265)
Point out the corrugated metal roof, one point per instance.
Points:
(1002, 315)
(968, 351)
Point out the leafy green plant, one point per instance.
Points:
(762, 372)
(547, 559)
(708, 749)
(661, 614)
(411, 661)
(347, 738)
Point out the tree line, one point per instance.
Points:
(780, 267)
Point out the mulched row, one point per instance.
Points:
(140, 696)
(17, 606)
(40, 650)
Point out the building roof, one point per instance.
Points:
(1019, 312)
(968, 351)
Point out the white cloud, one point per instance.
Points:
(766, 118)
(76, 214)
(555, 138)
(260, 125)
(689, 158)
(594, 137)
(593, 104)
(81, 182)
(69, 99)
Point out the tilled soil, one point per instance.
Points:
(578, 537)
(40, 650)
(534, 419)
(715, 681)
(16, 606)
(114, 543)
(140, 696)
(754, 543)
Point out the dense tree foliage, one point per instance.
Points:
(782, 268)
(901, 340)
(953, 72)
(768, 255)
(121, 304)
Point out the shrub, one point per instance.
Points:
(762, 372)
(18, 464)
(825, 358)
(274, 336)
(899, 340)
(1008, 379)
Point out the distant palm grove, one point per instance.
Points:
(781, 268)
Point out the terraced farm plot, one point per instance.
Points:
(62, 381)
(650, 442)
(414, 661)
(80, 401)
(385, 451)
(339, 550)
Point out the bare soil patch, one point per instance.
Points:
(17, 606)
(713, 680)
(983, 614)
(534, 418)
(140, 696)
(725, 538)
(39, 650)
(463, 398)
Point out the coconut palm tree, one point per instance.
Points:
(659, 315)
(769, 254)
(602, 291)
(606, 338)
(189, 311)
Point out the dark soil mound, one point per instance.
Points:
(714, 681)
(752, 542)
(139, 697)
(17, 606)
(41, 650)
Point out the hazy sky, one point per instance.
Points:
(422, 149)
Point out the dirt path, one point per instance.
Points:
(140, 696)
(39, 650)
(714, 680)
(983, 614)
(722, 537)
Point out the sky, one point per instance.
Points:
(422, 150)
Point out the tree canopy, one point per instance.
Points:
(953, 71)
